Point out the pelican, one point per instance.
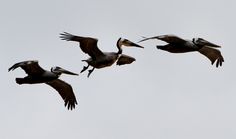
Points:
(99, 59)
(36, 74)
(179, 45)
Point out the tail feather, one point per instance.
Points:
(20, 80)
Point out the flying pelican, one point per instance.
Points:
(179, 45)
(38, 75)
(99, 59)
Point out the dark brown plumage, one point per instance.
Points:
(99, 59)
(36, 74)
(176, 44)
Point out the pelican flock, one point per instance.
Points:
(99, 59)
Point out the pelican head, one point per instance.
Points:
(203, 42)
(197, 41)
(59, 71)
(126, 42)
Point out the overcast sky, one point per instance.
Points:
(159, 96)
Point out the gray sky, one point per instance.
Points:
(159, 96)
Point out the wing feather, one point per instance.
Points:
(125, 59)
(88, 45)
(66, 92)
(31, 67)
(213, 55)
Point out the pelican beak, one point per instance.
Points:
(207, 43)
(131, 44)
(136, 45)
(67, 72)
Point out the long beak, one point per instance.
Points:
(128, 43)
(161, 37)
(67, 72)
(145, 38)
(136, 45)
(207, 43)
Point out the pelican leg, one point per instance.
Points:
(84, 68)
(90, 71)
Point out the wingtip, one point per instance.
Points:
(64, 32)
(143, 39)
(219, 62)
(71, 106)
(11, 68)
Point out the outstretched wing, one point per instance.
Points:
(66, 92)
(124, 59)
(31, 67)
(166, 38)
(88, 45)
(213, 55)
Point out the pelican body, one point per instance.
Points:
(99, 59)
(176, 44)
(47, 76)
(104, 61)
(38, 75)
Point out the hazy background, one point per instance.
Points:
(159, 96)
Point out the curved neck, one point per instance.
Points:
(119, 46)
(195, 43)
(199, 46)
(56, 73)
(119, 50)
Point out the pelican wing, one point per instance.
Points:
(124, 59)
(31, 67)
(166, 38)
(66, 92)
(88, 45)
(213, 55)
